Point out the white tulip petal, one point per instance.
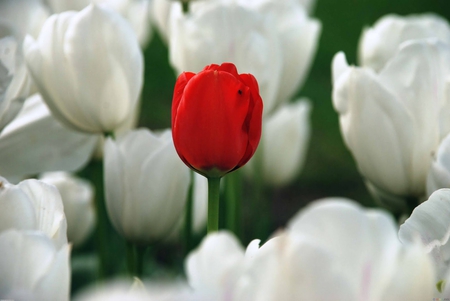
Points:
(379, 43)
(429, 222)
(27, 259)
(377, 128)
(338, 66)
(219, 32)
(35, 142)
(57, 277)
(146, 185)
(114, 173)
(439, 173)
(26, 16)
(49, 209)
(214, 264)
(287, 268)
(77, 196)
(119, 75)
(86, 87)
(17, 205)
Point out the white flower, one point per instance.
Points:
(78, 198)
(33, 205)
(216, 32)
(24, 16)
(145, 185)
(379, 43)
(136, 12)
(35, 142)
(439, 173)
(14, 84)
(88, 66)
(214, 267)
(273, 40)
(333, 249)
(283, 144)
(394, 120)
(429, 222)
(33, 268)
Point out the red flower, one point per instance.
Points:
(216, 119)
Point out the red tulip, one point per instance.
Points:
(216, 119)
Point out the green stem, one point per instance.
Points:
(213, 204)
(233, 204)
(185, 6)
(188, 217)
(101, 237)
(135, 259)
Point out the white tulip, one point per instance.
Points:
(25, 16)
(33, 205)
(439, 173)
(88, 66)
(220, 31)
(78, 198)
(35, 142)
(429, 222)
(298, 34)
(378, 44)
(14, 84)
(364, 248)
(146, 185)
(392, 121)
(215, 266)
(333, 249)
(32, 268)
(137, 12)
(283, 144)
(161, 17)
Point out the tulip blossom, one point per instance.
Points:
(35, 142)
(25, 16)
(146, 185)
(216, 119)
(333, 249)
(279, 32)
(439, 173)
(78, 199)
(283, 146)
(88, 66)
(136, 12)
(14, 85)
(392, 121)
(429, 222)
(378, 44)
(33, 205)
(32, 267)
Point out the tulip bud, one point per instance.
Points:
(77, 196)
(33, 205)
(394, 120)
(380, 42)
(88, 66)
(216, 119)
(146, 185)
(284, 144)
(33, 268)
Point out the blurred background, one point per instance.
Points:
(329, 169)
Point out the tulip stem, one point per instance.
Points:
(188, 217)
(232, 191)
(213, 204)
(135, 259)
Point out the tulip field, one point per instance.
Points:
(224, 150)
